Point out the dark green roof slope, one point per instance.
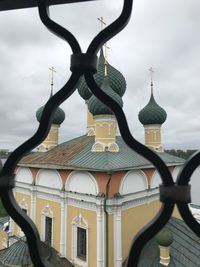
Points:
(184, 251)
(152, 113)
(76, 154)
(18, 255)
(58, 118)
(116, 79)
(96, 107)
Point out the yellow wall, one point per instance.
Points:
(55, 208)
(153, 137)
(3, 239)
(133, 220)
(90, 218)
(52, 137)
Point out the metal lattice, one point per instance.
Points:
(171, 192)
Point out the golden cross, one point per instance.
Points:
(151, 74)
(52, 72)
(102, 22)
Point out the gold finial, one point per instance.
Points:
(52, 72)
(105, 47)
(151, 75)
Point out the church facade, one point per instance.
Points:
(89, 196)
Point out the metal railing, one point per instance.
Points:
(171, 192)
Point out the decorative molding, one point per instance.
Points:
(46, 212)
(79, 221)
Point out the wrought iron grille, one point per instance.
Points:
(171, 192)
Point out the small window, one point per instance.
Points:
(48, 230)
(81, 243)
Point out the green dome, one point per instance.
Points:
(58, 118)
(164, 238)
(96, 107)
(116, 79)
(152, 113)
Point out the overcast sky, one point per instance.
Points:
(161, 34)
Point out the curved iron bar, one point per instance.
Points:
(184, 178)
(112, 29)
(56, 28)
(8, 199)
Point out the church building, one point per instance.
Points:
(90, 196)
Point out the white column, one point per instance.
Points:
(117, 238)
(63, 221)
(100, 237)
(33, 204)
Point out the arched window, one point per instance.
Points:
(49, 178)
(24, 175)
(82, 182)
(155, 180)
(133, 181)
(47, 226)
(80, 241)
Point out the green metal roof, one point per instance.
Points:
(18, 255)
(184, 250)
(76, 154)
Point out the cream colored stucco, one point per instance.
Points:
(51, 139)
(133, 220)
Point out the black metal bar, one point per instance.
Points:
(18, 4)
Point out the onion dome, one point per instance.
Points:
(58, 118)
(152, 113)
(164, 238)
(96, 107)
(116, 79)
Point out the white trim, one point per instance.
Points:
(80, 222)
(46, 212)
(117, 238)
(33, 204)
(152, 126)
(105, 118)
(100, 237)
(99, 138)
(63, 228)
